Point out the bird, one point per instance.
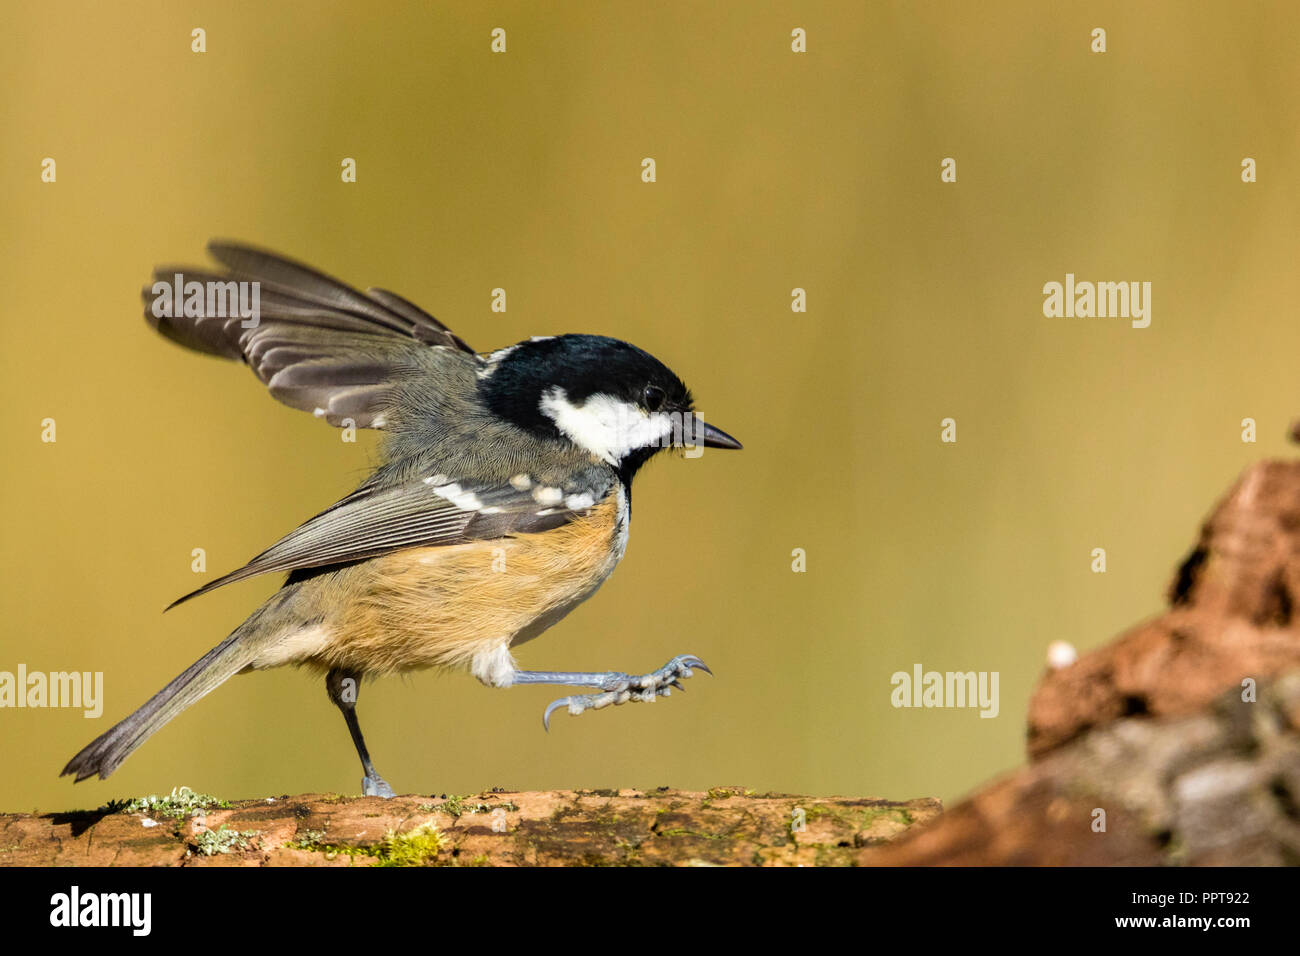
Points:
(501, 501)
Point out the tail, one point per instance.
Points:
(103, 755)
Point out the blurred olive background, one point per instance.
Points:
(775, 171)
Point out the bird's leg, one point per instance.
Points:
(343, 687)
(615, 687)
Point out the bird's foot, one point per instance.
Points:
(375, 786)
(621, 688)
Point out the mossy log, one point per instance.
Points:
(726, 826)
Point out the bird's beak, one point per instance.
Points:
(717, 438)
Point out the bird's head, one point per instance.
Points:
(610, 398)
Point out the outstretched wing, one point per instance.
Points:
(317, 344)
(423, 513)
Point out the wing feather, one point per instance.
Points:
(319, 345)
(371, 522)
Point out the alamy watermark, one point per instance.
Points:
(133, 911)
(922, 688)
(1102, 300)
(210, 299)
(84, 689)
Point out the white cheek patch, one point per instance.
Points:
(605, 426)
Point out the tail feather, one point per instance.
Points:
(103, 755)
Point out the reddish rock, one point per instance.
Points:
(1232, 616)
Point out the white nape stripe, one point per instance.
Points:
(605, 426)
(490, 363)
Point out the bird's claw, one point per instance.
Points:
(376, 786)
(622, 688)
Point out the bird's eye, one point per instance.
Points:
(653, 398)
